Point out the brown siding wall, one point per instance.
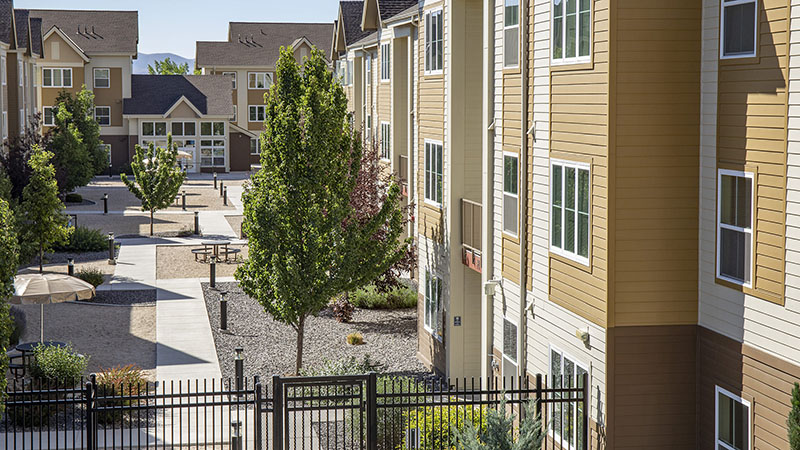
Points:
(254, 97)
(579, 132)
(651, 387)
(111, 96)
(764, 380)
(13, 94)
(656, 162)
(752, 120)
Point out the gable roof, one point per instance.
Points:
(258, 44)
(7, 23)
(37, 46)
(95, 32)
(390, 8)
(158, 94)
(21, 24)
(350, 16)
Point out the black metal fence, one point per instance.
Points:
(364, 412)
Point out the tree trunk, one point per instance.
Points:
(300, 332)
(41, 257)
(151, 223)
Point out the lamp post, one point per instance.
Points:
(183, 200)
(239, 370)
(225, 196)
(197, 223)
(221, 187)
(223, 311)
(215, 180)
(212, 278)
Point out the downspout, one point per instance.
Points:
(523, 191)
(487, 194)
(410, 174)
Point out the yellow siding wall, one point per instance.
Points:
(111, 96)
(512, 142)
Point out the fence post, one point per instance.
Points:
(539, 401)
(587, 403)
(277, 413)
(372, 411)
(258, 420)
(91, 430)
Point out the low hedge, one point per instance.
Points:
(83, 239)
(369, 298)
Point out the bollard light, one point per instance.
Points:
(197, 223)
(225, 196)
(105, 203)
(239, 369)
(236, 435)
(221, 187)
(111, 253)
(71, 267)
(215, 180)
(223, 311)
(212, 278)
(183, 200)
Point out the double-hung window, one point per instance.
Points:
(511, 34)
(60, 78)
(257, 113)
(3, 69)
(434, 41)
(49, 116)
(433, 312)
(259, 80)
(735, 226)
(255, 146)
(386, 58)
(386, 140)
(567, 426)
(102, 78)
(102, 114)
(739, 28)
(732, 430)
(369, 68)
(233, 78)
(433, 172)
(510, 193)
(569, 215)
(184, 128)
(349, 72)
(572, 30)
(212, 129)
(212, 144)
(510, 339)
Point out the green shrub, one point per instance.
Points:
(369, 298)
(73, 197)
(433, 428)
(118, 381)
(499, 431)
(84, 239)
(59, 365)
(793, 422)
(91, 275)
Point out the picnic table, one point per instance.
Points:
(217, 249)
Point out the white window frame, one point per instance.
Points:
(717, 391)
(5, 124)
(577, 59)
(3, 69)
(94, 77)
(262, 108)
(183, 128)
(429, 68)
(723, 4)
(386, 141)
(253, 79)
(551, 408)
(509, 194)
(62, 71)
(213, 129)
(104, 115)
(233, 77)
(431, 321)
(750, 231)
(509, 27)
(431, 176)
(560, 251)
(155, 134)
(258, 146)
(52, 110)
(368, 63)
(386, 61)
(213, 147)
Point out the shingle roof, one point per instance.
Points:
(351, 19)
(36, 35)
(156, 94)
(370, 38)
(21, 21)
(411, 11)
(95, 32)
(258, 44)
(389, 8)
(6, 21)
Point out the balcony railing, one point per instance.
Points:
(471, 232)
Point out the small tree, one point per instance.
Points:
(75, 141)
(169, 67)
(81, 106)
(306, 243)
(500, 432)
(793, 422)
(8, 268)
(42, 211)
(157, 177)
(14, 160)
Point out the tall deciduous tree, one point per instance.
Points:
(8, 268)
(81, 106)
(41, 211)
(157, 177)
(306, 242)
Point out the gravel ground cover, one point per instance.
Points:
(165, 225)
(119, 198)
(138, 297)
(177, 261)
(83, 261)
(236, 224)
(390, 337)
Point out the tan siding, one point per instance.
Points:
(111, 96)
(751, 136)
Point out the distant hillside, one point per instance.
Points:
(145, 59)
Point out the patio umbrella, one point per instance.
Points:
(184, 155)
(42, 288)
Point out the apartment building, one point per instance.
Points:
(248, 59)
(632, 170)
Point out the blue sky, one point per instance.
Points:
(173, 26)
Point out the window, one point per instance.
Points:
(434, 51)
(369, 68)
(233, 78)
(733, 421)
(5, 124)
(20, 72)
(212, 129)
(735, 226)
(257, 113)
(48, 116)
(350, 72)
(739, 28)
(510, 193)
(107, 149)
(102, 78)
(386, 62)
(511, 34)
(433, 172)
(259, 80)
(509, 353)
(255, 146)
(212, 153)
(433, 313)
(566, 419)
(61, 78)
(184, 128)
(102, 114)
(3, 69)
(369, 125)
(160, 143)
(154, 128)
(572, 30)
(569, 219)
(386, 141)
